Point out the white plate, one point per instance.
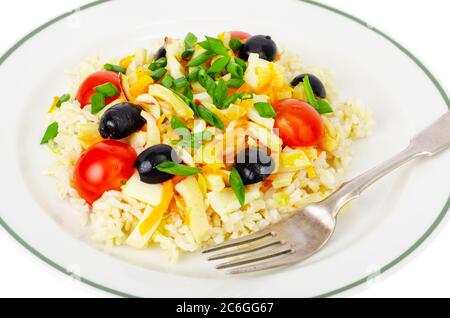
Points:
(385, 226)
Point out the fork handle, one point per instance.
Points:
(428, 142)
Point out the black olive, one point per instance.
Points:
(263, 45)
(160, 53)
(147, 161)
(316, 85)
(254, 165)
(121, 120)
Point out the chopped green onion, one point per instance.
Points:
(107, 90)
(235, 44)
(167, 81)
(235, 82)
(180, 82)
(115, 68)
(159, 63)
(190, 40)
(176, 123)
(50, 133)
(235, 70)
(219, 65)
(210, 117)
(240, 62)
(193, 76)
(214, 45)
(158, 74)
(321, 106)
(188, 93)
(237, 185)
(220, 93)
(187, 53)
(177, 169)
(246, 95)
(202, 58)
(97, 103)
(207, 82)
(198, 138)
(230, 100)
(265, 110)
(64, 98)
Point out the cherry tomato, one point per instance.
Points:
(105, 166)
(240, 35)
(86, 89)
(298, 123)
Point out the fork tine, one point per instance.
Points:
(281, 250)
(247, 250)
(283, 260)
(242, 240)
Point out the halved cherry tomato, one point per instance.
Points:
(86, 89)
(298, 123)
(240, 35)
(105, 166)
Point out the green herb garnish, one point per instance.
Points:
(190, 40)
(214, 45)
(237, 185)
(235, 82)
(265, 110)
(193, 76)
(97, 103)
(320, 105)
(176, 123)
(231, 99)
(235, 70)
(177, 169)
(159, 63)
(240, 62)
(158, 74)
(50, 133)
(115, 68)
(187, 53)
(108, 90)
(180, 82)
(64, 98)
(210, 117)
(202, 58)
(220, 93)
(167, 81)
(235, 44)
(219, 65)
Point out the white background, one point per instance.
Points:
(419, 25)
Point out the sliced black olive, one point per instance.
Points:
(121, 120)
(147, 161)
(263, 45)
(254, 165)
(316, 85)
(160, 53)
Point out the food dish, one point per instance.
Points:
(199, 141)
(358, 54)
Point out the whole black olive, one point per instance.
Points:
(147, 161)
(254, 165)
(160, 53)
(121, 120)
(263, 45)
(316, 85)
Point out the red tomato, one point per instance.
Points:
(240, 35)
(86, 89)
(105, 166)
(298, 123)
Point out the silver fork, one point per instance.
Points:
(306, 232)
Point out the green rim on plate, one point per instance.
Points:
(385, 268)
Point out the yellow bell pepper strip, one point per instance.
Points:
(159, 210)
